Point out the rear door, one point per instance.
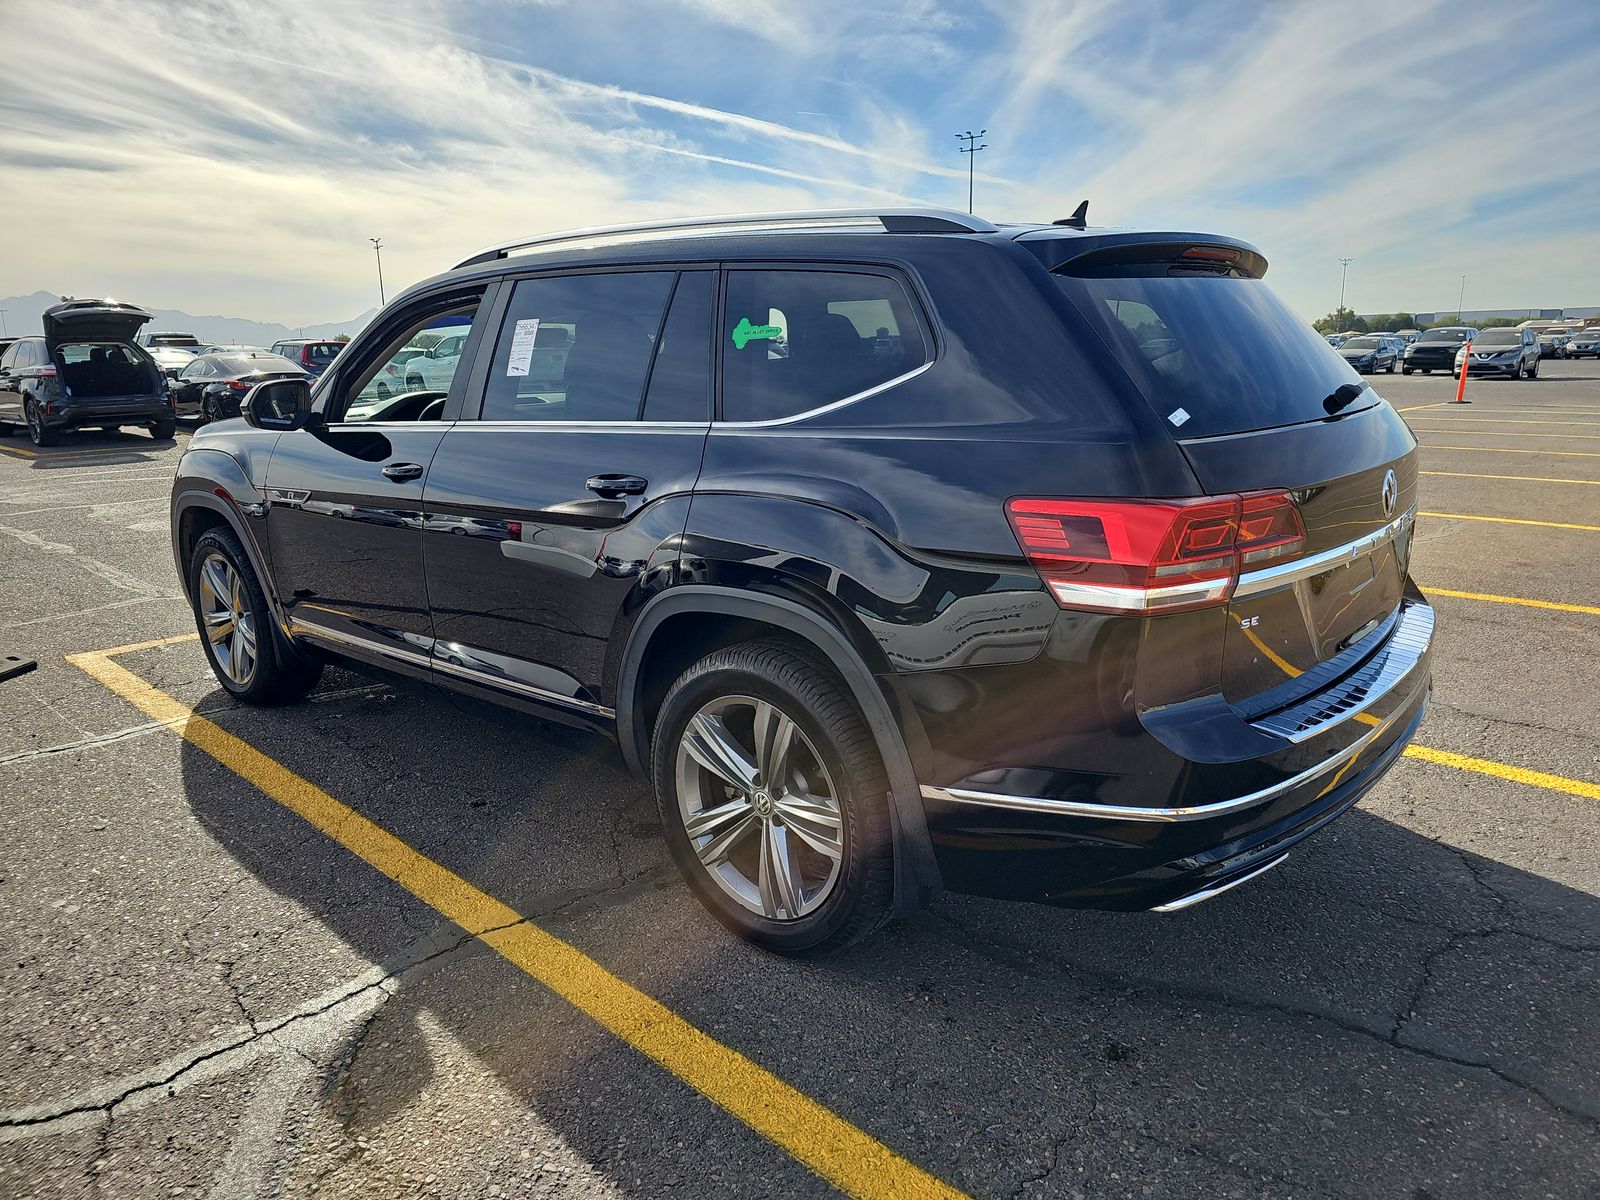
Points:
(1258, 402)
(571, 485)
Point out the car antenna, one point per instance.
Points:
(1079, 218)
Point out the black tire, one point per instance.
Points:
(1533, 371)
(1427, 370)
(280, 674)
(38, 432)
(208, 410)
(1391, 366)
(164, 429)
(861, 894)
(415, 383)
(1405, 370)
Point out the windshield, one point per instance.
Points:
(1362, 343)
(1214, 354)
(1499, 337)
(1445, 335)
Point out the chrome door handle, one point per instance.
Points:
(401, 471)
(617, 485)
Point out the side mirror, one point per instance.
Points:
(278, 404)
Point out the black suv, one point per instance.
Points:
(85, 372)
(899, 550)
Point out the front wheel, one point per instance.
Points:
(773, 798)
(1533, 371)
(235, 624)
(1405, 370)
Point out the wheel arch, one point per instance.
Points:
(684, 623)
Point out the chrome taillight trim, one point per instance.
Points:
(1267, 579)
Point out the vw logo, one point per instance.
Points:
(1391, 493)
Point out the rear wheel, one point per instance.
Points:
(38, 432)
(208, 409)
(773, 798)
(235, 625)
(1533, 371)
(164, 429)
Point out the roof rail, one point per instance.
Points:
(896, 220)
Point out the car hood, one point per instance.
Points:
(92, 321)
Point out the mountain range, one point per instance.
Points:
(23, 316)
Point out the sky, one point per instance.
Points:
(235, 156)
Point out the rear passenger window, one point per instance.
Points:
(799, 340)
(680, 380)
(577, 347)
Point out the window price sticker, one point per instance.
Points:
(522, 338)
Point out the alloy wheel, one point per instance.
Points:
(759, 806)
(229, 624)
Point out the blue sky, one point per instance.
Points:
(235, 156)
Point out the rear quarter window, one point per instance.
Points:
(798, 340)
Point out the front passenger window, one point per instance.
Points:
(410, 374)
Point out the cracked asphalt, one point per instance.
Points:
(205, 996)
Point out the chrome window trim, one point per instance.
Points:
(1216, 889)
(830, 406)
(1130, 812)
(1266, 579)
(593, 426)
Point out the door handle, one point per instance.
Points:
(400, 471)
(617, 485)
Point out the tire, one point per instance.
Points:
(831, 759)
(1405, 370)
(164, 429)
(1391, 366)
(1533, 371)
(38, 432)
(249, 662)
(1427, 370)
(208, 410)
(415, 384)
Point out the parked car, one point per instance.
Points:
(1553, 341)
(436, 366)
(1338, 339)
(891, 611)
(184, 341)
(85, 372)
(1370, 353)
(1585, 342)
(212, 385)
(5, 343)
(1513, 353)
(1408, 335)
(215, 348)
(1436, 349)
(313, 354)
(171, 359)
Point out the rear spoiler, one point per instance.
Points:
(1122, 255)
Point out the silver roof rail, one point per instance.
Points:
(895, 220)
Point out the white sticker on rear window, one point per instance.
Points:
(1178, 416)
(522, 338)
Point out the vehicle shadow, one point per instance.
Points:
(1384, 1015)
(78, 449)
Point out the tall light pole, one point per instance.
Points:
(1344, 270)
(3, 331)
(971, 150)
(1461, 298)
(377, 248)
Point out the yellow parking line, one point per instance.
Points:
(18, 452)
(1415, 407)
(1522, 433)
(1510, 520)
(1486, 766)
(1514, 450)
(1527, 478)
(1554, 605)
(850, 1159)
(1516, 421)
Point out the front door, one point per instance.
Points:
(558, 496)
(344, 520)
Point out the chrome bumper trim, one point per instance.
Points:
(1133, 812)
(1268, 578)
(1216, 889)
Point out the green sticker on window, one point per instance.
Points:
(745, 332)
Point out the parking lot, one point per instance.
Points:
(389, 943)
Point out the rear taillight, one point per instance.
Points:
(47, 372)
(239, 385)
(1147, 556)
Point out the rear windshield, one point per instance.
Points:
(1215, 354)
(1455, 336)
(322, 353)
(245, 364)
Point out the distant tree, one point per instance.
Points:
(343, 337)
(1340, 320)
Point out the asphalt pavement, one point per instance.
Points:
(215, 986)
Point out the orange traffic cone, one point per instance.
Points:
(1461, 387)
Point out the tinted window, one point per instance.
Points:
(1214, 354)
(793, 341)
(680, 379)
(320, 353)
(8, 357)
(576, 347)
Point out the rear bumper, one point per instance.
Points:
(131, 410)
(1078, 851)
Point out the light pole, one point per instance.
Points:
(377, 248)
(971, 150)
(1461, 298)
(4, 332)
(1344, 270)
